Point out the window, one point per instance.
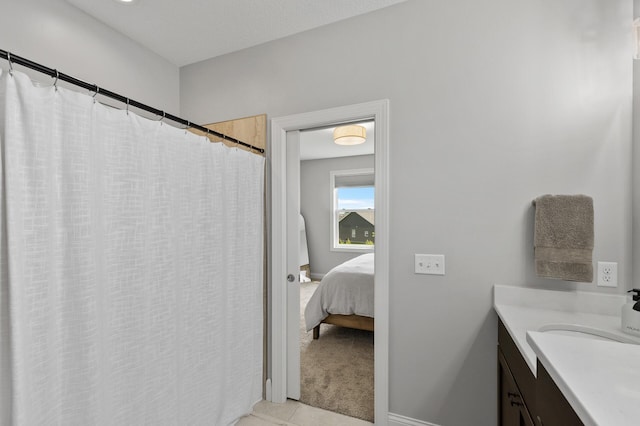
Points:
(353, 210)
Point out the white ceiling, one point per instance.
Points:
(318, 144)
(188, 31)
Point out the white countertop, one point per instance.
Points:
(600, 379)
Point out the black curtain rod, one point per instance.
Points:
(15, 59)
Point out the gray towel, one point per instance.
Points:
(563, 237)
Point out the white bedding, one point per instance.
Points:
(347, 289)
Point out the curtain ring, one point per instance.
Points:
(10, 64)
(163, 116)
(95, 93)
(127, 106)
(55, 83)
(236, 140)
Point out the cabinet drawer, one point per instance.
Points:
(518, 366)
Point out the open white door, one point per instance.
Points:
(293, 264)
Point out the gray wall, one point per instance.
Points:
(636, 165)
(315, 206)
(56, 34)
(492, 104)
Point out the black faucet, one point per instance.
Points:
(636, 298)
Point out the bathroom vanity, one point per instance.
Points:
(563, 359)
(521, 394)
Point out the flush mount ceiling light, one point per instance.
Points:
(125, 1)
(349, 135)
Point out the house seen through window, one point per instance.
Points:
(353, 210)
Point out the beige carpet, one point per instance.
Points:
(337, 369)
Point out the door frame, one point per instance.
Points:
(378, 111)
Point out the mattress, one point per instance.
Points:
(347, 289)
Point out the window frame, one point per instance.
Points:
(334, 239)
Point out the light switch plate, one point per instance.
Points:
(432, 264)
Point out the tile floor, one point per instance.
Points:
(293, 413)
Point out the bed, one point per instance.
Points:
(344, 297)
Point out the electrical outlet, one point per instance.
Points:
(432, 264)
(607, 274)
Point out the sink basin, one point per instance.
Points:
(578, 334)
(584, 331)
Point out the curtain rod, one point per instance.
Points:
(15, 59)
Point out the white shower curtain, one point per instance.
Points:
(131, 255)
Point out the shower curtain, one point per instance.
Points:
(131, 267)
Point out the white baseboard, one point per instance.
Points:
(316, 277)
(398, 420)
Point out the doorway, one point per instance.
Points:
(285, 371)
(337, 243)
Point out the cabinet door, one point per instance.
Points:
(509, 415)
(522, 375)
(553, 408)
(512, 410)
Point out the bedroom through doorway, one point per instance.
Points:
(337, 246)
(285, 311)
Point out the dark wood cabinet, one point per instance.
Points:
(523, 399)
(553, 407)
(512, 408)
(516, 383)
